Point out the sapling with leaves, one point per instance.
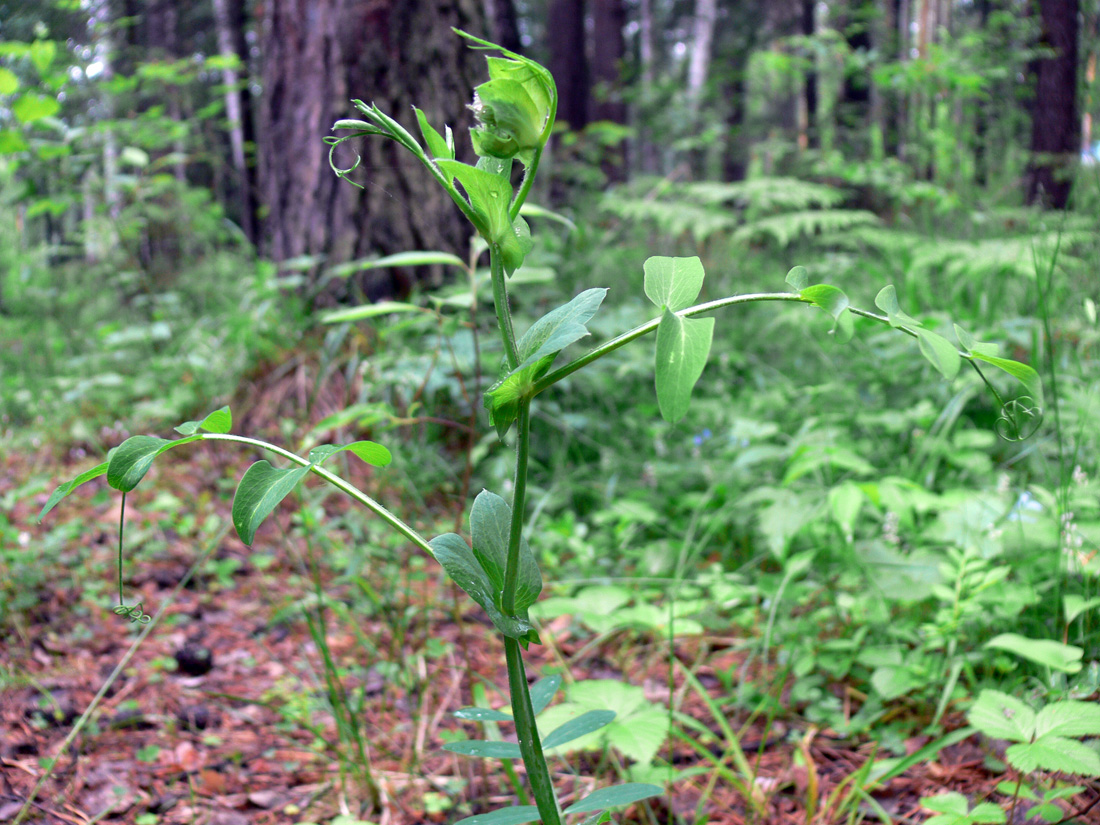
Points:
(498, 567)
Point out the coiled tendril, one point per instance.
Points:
(1019, 419)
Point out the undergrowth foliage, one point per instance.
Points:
(498, 568)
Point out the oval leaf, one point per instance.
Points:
(798, 278)
(940, 352)
(615, 796)
(683, 345)
(262, 487)
(131, 460)
(1052, 654)
(673, 283)
(557, 329)
(63, 490)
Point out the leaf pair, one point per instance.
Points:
(1045, 740)
(480, 571)
(683, 344)
(537, 349)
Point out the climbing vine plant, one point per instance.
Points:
(497, 568)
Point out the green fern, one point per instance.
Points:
(786, 228)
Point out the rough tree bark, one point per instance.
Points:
(317, 55)
(1056, 125)
(501, 15)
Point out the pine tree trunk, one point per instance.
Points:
(319, 54)
(1056, 126)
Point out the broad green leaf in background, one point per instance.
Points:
(940, 352)
(835, 302)
(1001, 716)
(261, 488)
(887, 301)
(637, 731)
(954, 809)
(1074, 605)
(473, 714)
(1054, 753)
(615, 796)
(359, 313)
(683, 345)
(673, 283)
(219, 421)
(42, 54)
(411, 258)
(1068, 717)
(9, 82)
(11, 142)
(1055, 655)
(29, 107)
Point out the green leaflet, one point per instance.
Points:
(219, 421)
(887, 301)
(1026, 375)
(132, 459)
(835, 302)
(480, 571)
(673, 283)
(437, 145)
(367, 451)
(798, 278)
(537, 349)
(261, 488)
(940, 352)
(490, 197)
(683, 345)
(64, 489)
(1046, 652)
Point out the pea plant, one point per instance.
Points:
(515, 111)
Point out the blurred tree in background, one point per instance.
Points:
(128, 107)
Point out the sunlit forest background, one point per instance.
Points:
(822, 567)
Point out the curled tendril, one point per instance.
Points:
(1019, 419)
(135, 613)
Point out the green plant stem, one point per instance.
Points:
(557, 375)
(519, 495)
(335, 480)
(552, 378)
(530, 746)
(504, 312)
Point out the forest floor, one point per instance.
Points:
(251, 739)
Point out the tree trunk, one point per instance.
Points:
(608, 22)
(702, 35)
(317, 55)
(229, 22)
(1056, 127)
(565, 32)
(808, 132)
